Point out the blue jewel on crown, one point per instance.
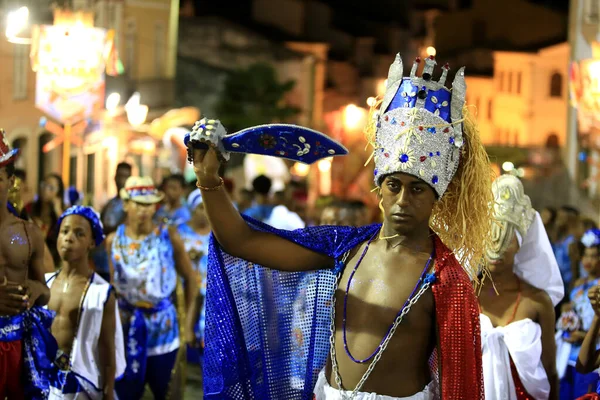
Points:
(422, 117)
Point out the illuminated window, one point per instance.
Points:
(510, 82)
(591, 12)
(20, 69)
(519, 76)
(130, 46)
(556, 82)
(160, 47)
(489, 110)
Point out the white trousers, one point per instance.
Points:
(323, 391)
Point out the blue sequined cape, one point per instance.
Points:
(251, 349)
(263, 343)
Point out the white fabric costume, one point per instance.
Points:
(282, 218)
(536, 265)
(85, 357)
(323, 391)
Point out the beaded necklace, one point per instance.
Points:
(425, 281)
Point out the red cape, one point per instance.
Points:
(457, 313)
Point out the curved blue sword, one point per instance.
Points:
(278, 140)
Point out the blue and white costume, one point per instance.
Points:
(145, 279)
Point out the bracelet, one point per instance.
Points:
(211, 189)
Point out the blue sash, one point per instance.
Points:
(137, 337)
(11, 328)
(39, 348)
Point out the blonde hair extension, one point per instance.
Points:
(463, 217)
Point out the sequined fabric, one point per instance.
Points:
(251, 327)
(519, 388)
(459, 333)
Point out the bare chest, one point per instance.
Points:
(506, 308)
(66, 299)
(372, 295)
(15, 251)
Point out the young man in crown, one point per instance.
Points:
(392, 313)
(26, 344)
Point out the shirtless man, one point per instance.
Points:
(23, 286)
(87, 325)
(517, 322)
(417, 152)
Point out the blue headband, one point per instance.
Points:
(194, 199)
(93, 218)
(591, 238)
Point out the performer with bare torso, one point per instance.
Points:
(23, 324)
(87, 326)
(517, 322)
(385, 334)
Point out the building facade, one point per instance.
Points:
(146, 40)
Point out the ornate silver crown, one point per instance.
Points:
(512, 211)
(419, 125)
(511, 204)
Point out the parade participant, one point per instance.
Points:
(337, 213)
(87, 326)
(562, 236)
(173, 211)
(26, 345)
(420, 132)
(589, 355)
(15, 206)
(195, 236)
(113, 213)
(262, 208)
(575, 321)
(44, 211)
(145, 262)
(517, 304)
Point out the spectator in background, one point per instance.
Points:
(548, 215)
(563, 235)
(262, 208)
(576, 248)
(246, 200)
(174, 211)
(360, 213)
(25, 193)
(576, 320)
(113, 213)
(338, 213)
(46, 209)
(282, 216)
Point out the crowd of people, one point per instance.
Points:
(455, 288)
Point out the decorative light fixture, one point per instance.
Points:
(112, 102)
(16, 22)
(508, 166)
(136, 112)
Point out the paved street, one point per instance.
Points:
(193, 390)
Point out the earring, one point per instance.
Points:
(381, 206)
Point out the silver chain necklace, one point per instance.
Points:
(397, 321)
